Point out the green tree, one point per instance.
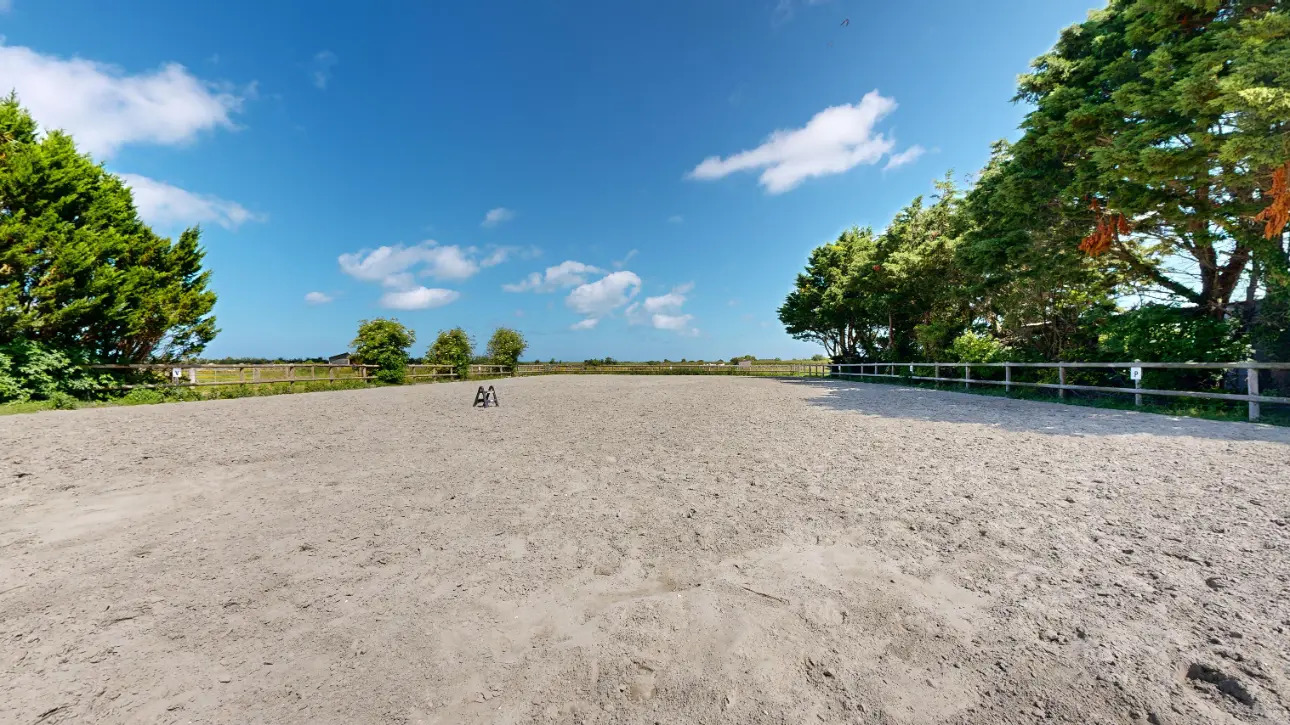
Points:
(452, 347)
(891, 296)
(1163, 122)
(384, 342)
(79, 271)
(1028, 282)
(506, 346)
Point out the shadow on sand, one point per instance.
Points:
(1025, 416)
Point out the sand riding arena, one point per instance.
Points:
(642, 549)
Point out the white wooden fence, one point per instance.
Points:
(906, 371)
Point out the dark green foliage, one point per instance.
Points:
(453, 347)
(78, 270)
(506, 346)
(1168, 334)
(32, 371)
(384, 342)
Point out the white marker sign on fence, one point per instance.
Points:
(1135, 373)
(176, 373)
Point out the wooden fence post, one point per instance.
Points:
(192, 375)
(1061, 380)
(967, 377)
(1007, 377)
(1252, 388)
(1137, 397)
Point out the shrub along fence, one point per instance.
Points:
(1073, 376)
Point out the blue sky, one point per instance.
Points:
(635, 179)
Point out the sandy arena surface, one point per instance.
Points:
(642, 550)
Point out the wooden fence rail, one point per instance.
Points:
(208, 374)
(907, 370)
(820, 369)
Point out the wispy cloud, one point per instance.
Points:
(320, 67)
(163, 205)
(105, 108)
(563, 275)
(908, 156)
(786, 9)
(318, 298)
(586, 324)
(835, 140)
(497, 216)
(675, 219)
(498, 255)
(626, 258)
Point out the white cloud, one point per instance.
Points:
(393, 265)
(676, 323)
(835, 140)
(396, 268)
(318, 298)
(105, 108)
(162, 205)
(320, 68)
(586, 324)
(565, 274)
(670, 301)
(599, 298)
(664, 311)
(497, 216)
(418, 298)
(448, 262)
(908, 156)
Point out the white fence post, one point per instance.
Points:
(967, 377)
(1007, 377)
(1061, 380)
(1252, 388)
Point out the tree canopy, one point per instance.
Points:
(452, 347)
(384, 342)
(79, 272)
(506, 346)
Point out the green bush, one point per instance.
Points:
(384, 342)
(974, 347)
(62, 401)
(32, 371)
(1160, 333)
(142, 396)
(452, 347)
(506, 346)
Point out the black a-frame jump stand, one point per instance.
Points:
(485, 398)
